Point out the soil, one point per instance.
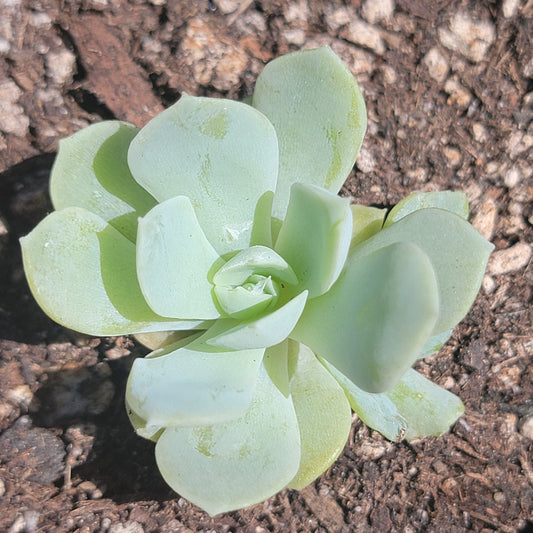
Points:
(449, 91)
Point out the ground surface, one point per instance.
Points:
(448, 86)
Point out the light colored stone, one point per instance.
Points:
(480, 132)
(509, 8)
(365, 161)
(297, 11)
(459, 96)
(389, 74)
(372, 450)
(453, 155)
(436, 64)
(60, 66)
(518, 143)
(12, 117)
(485, 218)
(375, 10)
(41, 20)
(509, 260)
(295, 36)
(228, 6)
(4, 46)
(488, 284)
(20, 395)
(363, 34)
(2, 488)
(512, 177)
(527, 427)
(468, 36)
(527, 69)
(338, 18)
(128, 527)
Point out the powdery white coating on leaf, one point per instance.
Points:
(382, 309)
(174, 259)
(82, 273)
(91, 171)
(238, 463)
(320, 119)
(414, 408)
(187, 387)
(315, 237)
(323, 412)
(221, 154)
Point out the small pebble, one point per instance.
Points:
(527, 428)
(363, 34)
(365, 161)
(375, 10)
(509, 8)
(436, 64)
(509, 260)
(512, 177)
(499, 497)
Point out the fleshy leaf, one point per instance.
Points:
(323, 412)
(382, 309)
(453, 201)
(458, 253)
(91, 171)
(262, 332)
(238, 463)
(222, 154)
(367, 221)
(188, 387)
(174, 259)
(414, 408)
(435, 343)
(276, 362)
(320, 118)
(82, 273)
(254, 260)
(315, 237)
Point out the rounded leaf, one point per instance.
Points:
(237, 463)
(319, 114)
(222, 154)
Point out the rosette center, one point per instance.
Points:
(250, 282)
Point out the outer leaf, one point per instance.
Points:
(458, 253)
(238, 463)
(81, 271)
(414, 408)
(453, 201)
(367, 221)
(319, 114)
(91, 171)
(382, 311)
(262, 332)
(187, 387)
(222, 154)
(174, 259)
(276, 362)
(315, 237)
(323, 412)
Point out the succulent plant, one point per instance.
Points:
(274, 306)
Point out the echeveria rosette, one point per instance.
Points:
(215, 234)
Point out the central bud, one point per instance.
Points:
(251, 281)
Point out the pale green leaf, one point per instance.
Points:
(91, 171)
(453, 201)
(320, 118)
(238, 463)
(435, 343)
(458, 254)
(323, 412)
(315, 237)
(254, 260)
(182, 386)
(222, 154)
(174, 259)
(367, 221)
(264, 331)
(276, 362)
(414, 408)
(374, 322)
(82, 273)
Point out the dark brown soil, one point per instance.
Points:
(448, 85)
